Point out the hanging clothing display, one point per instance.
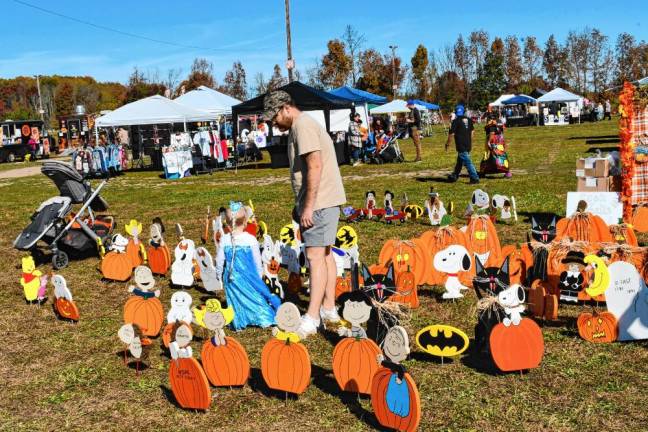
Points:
(203, 140)
(180, 140)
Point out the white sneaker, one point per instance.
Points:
(307, 327)
(330, 315)
(356, 163)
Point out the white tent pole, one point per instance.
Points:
(96, 134)
(184, 121)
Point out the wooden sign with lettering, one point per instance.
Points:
(627, 300)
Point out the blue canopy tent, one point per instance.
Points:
(357, 95)
(427, 105)
(519, 99)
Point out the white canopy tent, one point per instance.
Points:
(395, 106)
(152, 110)
(499, 100)
(560, 95)
(207, 99)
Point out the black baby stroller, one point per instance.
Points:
(388, 149)
(65, 232)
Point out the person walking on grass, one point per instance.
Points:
(319, 193)
(355, 139)
(414, 122)
(608, 110)
(462, 131)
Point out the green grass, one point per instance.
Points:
(59, 375)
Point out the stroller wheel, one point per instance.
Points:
(60, 260)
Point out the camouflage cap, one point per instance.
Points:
(273, 102)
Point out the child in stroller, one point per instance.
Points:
(495, 157)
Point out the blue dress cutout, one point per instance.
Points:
(240, 267)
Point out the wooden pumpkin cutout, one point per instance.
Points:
(342, 285)
(159, 256)
(597, 327)
(583, 226)
(627, 300)
(169, 330)
(394, 395)
(224, 359)
(354, 357)
(407, 292)
(143, 307)
(285, 363)
(640, 219)
(188, 380)
(116, 264)
(517, 347)
(135, 249)
(404, 255)
(64, 305)
(624, 234)
(482, 240)
(517, 264)
(437, 240)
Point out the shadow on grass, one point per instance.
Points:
(258, 384)
(602, 149)
(592, 137)
(428, 358)
(480, 362)
(602, 141)
(323, 379)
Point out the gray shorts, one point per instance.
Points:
(324, 229)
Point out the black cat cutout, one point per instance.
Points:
(488, 282)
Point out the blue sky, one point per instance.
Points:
(34, 42)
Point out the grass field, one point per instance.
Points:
(57, 375)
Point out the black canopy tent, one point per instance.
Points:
(307, 99)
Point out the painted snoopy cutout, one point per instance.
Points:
(182, 267)
(512, 300)
(451, 261)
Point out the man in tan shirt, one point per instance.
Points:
(319, 193)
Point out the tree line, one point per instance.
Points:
(475, 70)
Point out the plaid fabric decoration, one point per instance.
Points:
(355, 138)
(640, 184)
(640, 128)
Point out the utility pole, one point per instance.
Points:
(290, 63)
(40, 100)
(394, 86)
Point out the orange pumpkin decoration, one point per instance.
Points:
(167, 331)
(295, 284)
(517, 347)
(624, 234)
(354, 364)
(385, 416)
(482, 241)
(159, 259)
(189, 384)
(404, 255)
(285, 366)
(134, 253)
(225, 365)
(407, 292)
(437, 240)
(583, 226)
(640, 219)
(116, 266)
(66, 309)
(536, 298)
(342, 285)
(597, 327)
(146, 313)
(517, 264)
(551, 307)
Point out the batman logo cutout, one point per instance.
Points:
(346, 238)
(442, 340)
(413, 211)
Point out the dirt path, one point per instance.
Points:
(20, 172)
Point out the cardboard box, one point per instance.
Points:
(599, 184)
(592, 167)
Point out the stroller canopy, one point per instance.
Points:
(70, 184)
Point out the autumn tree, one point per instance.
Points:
(64, 99)
(235, 82)
(260, 84)
(577, 49)
(336, 65)
(201, 74)
(477, 49)
(277, 80)
(628, 59)
(491, 79)
(139, 86)
(354, 42)
(420, 72)
(600, 59)
(512, 63)
(532, 55)
(377, 72)
(553, 62)
(462, 63)
(451, 89)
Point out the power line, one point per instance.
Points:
(123, 33)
